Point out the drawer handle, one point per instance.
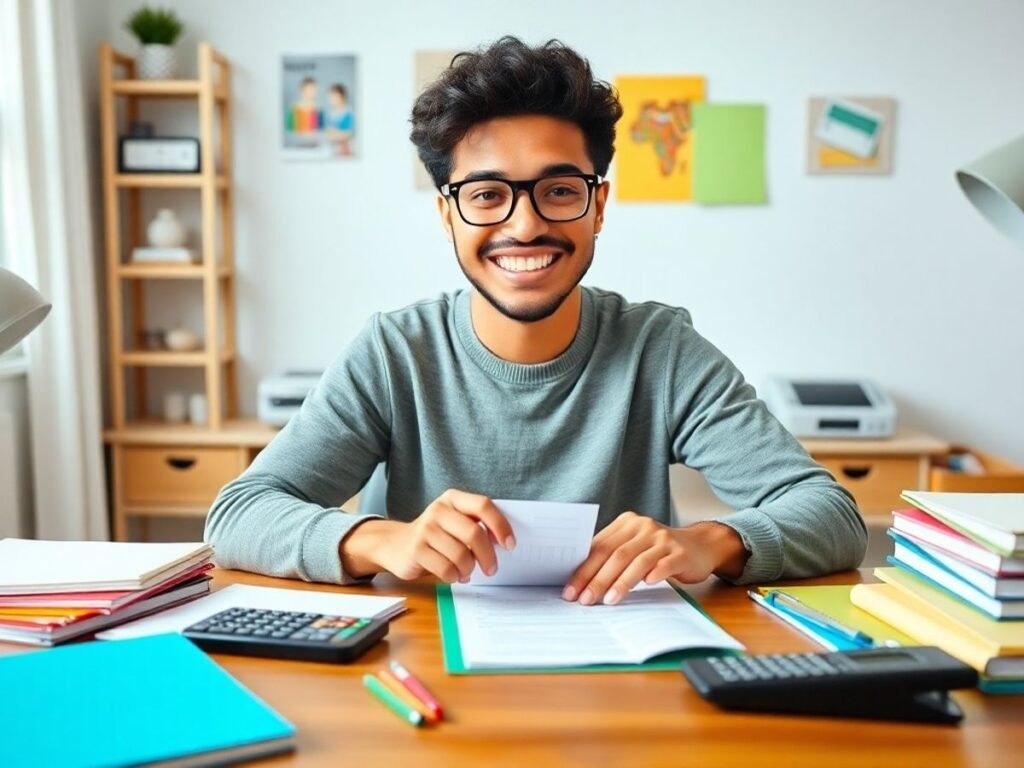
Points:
(181, 463)
(857, 473)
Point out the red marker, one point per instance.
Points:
(416, 689)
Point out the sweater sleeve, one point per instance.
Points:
(792, 516)
(281, 517)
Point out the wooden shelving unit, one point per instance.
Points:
(161, 469)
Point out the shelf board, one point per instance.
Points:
(245, 433)
(163, 89)
(166, 180)
(166, 270)
(167, 359)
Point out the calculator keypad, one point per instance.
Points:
(737, 669)
(279, 625)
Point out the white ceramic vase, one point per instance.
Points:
(181, 340)
(156, 62)
(165, 230)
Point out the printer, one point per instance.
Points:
(830, 408)
(280, 396)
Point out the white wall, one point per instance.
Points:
(892, 277)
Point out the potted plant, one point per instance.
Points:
(156, 30)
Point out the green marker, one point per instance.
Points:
(392, 702)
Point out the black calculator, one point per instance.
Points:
(286, 634)
(904, 683)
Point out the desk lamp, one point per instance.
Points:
(994, 183)
(21, 309)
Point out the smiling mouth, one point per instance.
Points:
(526, 263)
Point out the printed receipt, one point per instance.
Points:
(552, 539)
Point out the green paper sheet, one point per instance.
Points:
(728, 153)
(834, 601)
(454, 664)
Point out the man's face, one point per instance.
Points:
(308, 93)
(497, 258)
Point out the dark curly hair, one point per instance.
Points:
(510, 78)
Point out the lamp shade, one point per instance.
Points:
(21, 309)
(995, 184)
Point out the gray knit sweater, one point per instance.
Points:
(638, 389)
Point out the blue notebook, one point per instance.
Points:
(150, 700)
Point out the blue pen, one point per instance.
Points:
(807, 613)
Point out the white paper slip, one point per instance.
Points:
(265, 598)
(510, 627)
(851, 127)
(552, 539)
(30, 566)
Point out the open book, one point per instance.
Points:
(510, 627)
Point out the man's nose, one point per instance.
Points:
(525, 224)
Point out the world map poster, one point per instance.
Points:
(653, 145)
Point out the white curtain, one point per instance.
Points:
(44, 147)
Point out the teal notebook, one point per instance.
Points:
(455, 665)
(124, 702)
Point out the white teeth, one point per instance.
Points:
(525, 263)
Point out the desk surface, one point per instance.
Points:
(592, 720)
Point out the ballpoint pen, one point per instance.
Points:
(794, 605)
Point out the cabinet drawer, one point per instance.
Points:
(875, 481)
(179, 474)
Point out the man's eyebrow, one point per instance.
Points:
(478, 175)
(548, 170)
(559, 168)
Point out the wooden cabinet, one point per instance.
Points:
(877, 471)
(162, 470)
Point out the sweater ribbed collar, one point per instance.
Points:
(518, 373)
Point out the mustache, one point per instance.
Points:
(553, 242)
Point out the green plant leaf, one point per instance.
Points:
(159, 26)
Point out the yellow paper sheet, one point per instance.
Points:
(653, 151)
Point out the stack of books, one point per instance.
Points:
(957, 580)
(52, 591)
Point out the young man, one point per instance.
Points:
(529, 386)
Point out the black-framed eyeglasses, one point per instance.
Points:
(486, 202)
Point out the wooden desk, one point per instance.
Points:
(594, 720)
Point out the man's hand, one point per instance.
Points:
(447, 541)
(634, 548)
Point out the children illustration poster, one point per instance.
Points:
(318, 106)
(653, 153)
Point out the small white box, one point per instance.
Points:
(176, 255)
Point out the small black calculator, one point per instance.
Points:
(286, 634)
(905, 683)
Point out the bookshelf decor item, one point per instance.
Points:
(159, 154)
(156, 30)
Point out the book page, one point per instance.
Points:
(535, 627)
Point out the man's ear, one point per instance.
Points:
(444, 208)
(600, 199)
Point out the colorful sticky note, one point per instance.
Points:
(653, 141)
(728, 153)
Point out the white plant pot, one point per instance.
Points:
(156, 62)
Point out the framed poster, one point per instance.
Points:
(318, 106)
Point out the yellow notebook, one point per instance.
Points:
(995, 648)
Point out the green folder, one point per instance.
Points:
(455, 665)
